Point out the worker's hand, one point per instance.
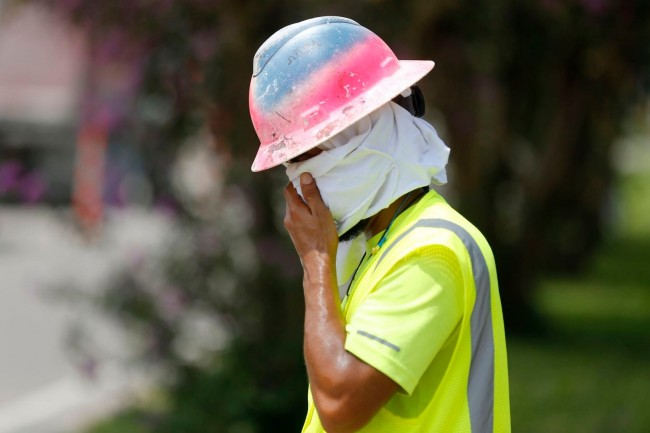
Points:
(309, 222)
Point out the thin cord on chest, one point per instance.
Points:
(384, 237)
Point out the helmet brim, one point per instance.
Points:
(285, 148)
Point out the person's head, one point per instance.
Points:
(315, 78)
(320, 101)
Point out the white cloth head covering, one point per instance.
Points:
(373, 162)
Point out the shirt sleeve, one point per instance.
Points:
(402, 324)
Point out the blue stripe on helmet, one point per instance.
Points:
(295, 53)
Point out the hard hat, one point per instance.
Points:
(314, 78)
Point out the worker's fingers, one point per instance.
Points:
(310, 193)
(294, 204)
(292, 197)
(308, 220)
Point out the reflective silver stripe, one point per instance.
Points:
(379, 340)
(480, 386)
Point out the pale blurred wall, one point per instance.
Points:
(43, 63)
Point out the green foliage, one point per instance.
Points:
(129, 421)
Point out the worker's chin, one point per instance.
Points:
(356, 231)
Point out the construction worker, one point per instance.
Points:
(405, 335)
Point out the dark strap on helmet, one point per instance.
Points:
(414, 103)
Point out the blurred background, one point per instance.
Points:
(147, 284)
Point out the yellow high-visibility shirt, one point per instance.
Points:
(425, 311)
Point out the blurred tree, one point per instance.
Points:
(532, 93)
(535, 94)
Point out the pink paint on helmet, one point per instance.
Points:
(314, 78)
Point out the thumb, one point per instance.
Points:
(309, 190)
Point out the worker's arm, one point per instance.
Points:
(347, 392)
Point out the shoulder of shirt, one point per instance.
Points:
(410, 236)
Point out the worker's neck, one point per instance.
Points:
(380, 221)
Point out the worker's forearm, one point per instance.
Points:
(328, 363)
(324, 343)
